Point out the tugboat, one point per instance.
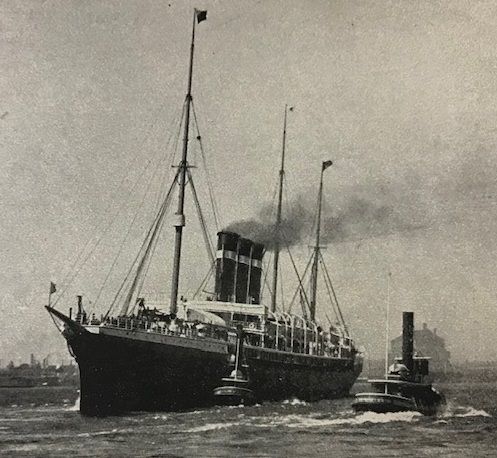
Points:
(406, 386)
(235, 388)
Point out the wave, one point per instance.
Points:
(110, 432)
(472, 412)
(366, 417)
(453, 410)
(372, 417)
(211, 427)
(294, 402)
(75, 407)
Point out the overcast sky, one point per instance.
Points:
(401, 95)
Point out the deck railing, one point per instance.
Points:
(316, 347)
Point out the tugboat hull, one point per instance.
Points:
(382, 403)
(234, 395)
(392, 395)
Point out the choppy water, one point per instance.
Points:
(468, 428)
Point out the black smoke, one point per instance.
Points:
(352, 218)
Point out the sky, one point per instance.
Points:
(400, 95)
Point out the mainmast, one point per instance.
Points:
(277, 227)
(314, 275)
(198, 16)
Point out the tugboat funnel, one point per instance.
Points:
(408, 341)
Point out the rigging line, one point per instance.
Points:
(149, 261)
(301, 288)
(205, 280)
(171, 158)
(150, 181)
(314, 224)
(214, 205)
(137, 256)
(59, 328)
(147, 264)
(148, 244)
(282, 291)
(65, 281)
(266, 273)
(325, 271)
(208, 242)
(334, 304)
(274, 200)
(269, 260)
(130, 226)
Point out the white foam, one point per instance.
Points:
(372, 417)
(75, 407)
(211, 427)
(307, 421)
(463, 411)
(294, 402)
(366, 417)
(472, 412)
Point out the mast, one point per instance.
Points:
(314, 274)
(198, 16)
(278, 219)
(387, 337)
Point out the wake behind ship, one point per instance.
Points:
(159, 356)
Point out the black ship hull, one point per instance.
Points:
(134, 370)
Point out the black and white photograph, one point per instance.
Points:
(248, 228)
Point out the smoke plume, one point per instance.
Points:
(353, 218)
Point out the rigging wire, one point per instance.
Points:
(148, 245)
(171, 158)
(70, 277)
(153, 246)
(208, 241)
(205, 280)
(282, 292)
(144, 245)
(151, 249)
(214, 205)
(329, 285)
(130, 226)
(301, 288)
(265, 282)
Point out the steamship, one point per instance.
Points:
(153, 356)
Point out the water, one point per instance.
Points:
(292, 428)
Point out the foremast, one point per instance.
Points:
(198, 16)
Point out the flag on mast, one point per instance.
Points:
(201, 15)
(326, 164)
(53, 287)
(52, 290)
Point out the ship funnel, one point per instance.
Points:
(408, 341)
(242, 270)
(254, 284)
(238, 269)
(227, 243)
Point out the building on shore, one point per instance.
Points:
(38, 374)
(426, 343)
